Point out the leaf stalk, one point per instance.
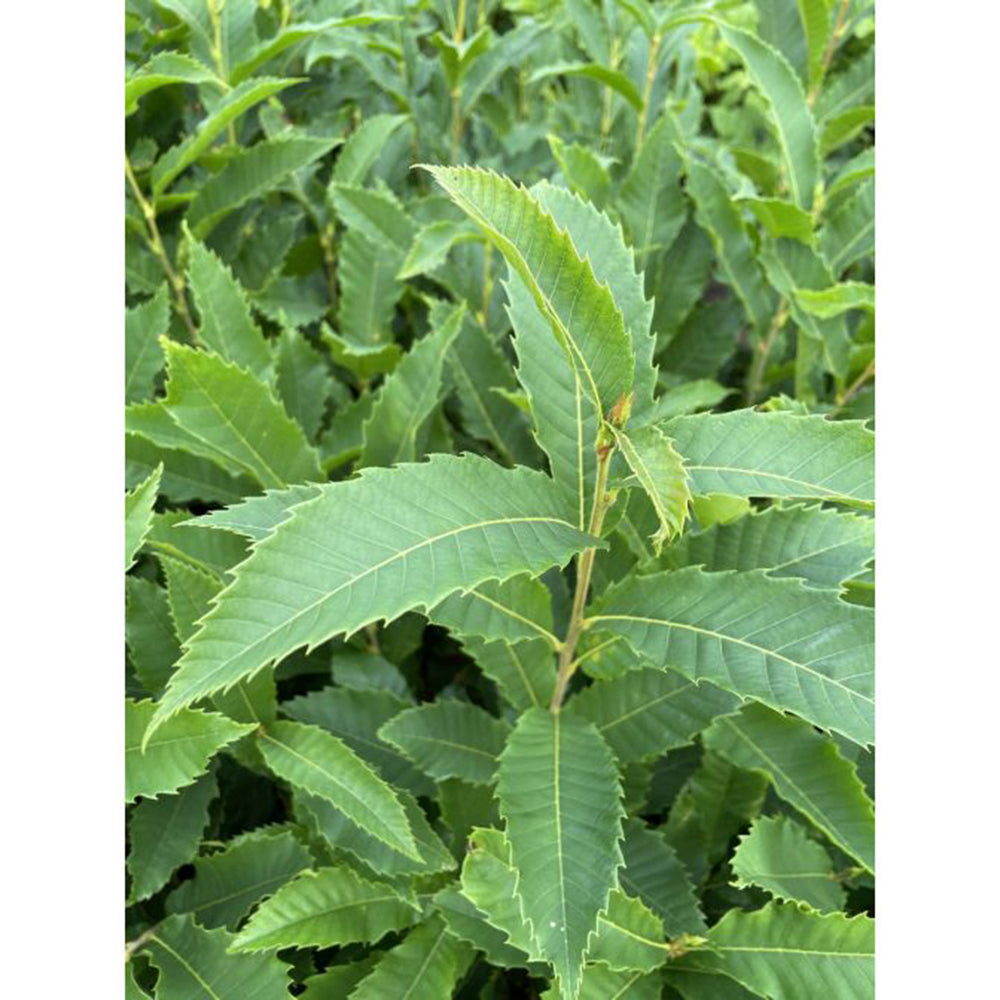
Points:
(567, 664)
(155, 244)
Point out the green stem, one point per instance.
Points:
(831, 47)
(852, 390)
(155, 244)
(654, 53)
(606, 110)
(585, 568)
(219, 58)
(756, 374)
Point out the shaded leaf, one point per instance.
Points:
(559, 794)
(177, 753)
(774, 640)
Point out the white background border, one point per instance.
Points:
(61, 676)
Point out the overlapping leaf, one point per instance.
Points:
(773, 640)
(445, 524)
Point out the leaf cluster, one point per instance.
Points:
(499, 526)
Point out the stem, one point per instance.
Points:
(456, 121)
(487, 282)
(756, 374)
(131, 947)
(852, 390)
(155, 243)
(606, 110)
(831, 47)
(583, 573)
(220, 61)
(654, 52)
(460, 22)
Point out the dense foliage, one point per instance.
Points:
(499, 535)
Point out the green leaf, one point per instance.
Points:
(226, 325)
(144, 325)
(854, 86)
(490, 883)
(319, 763)
(431, 244)
(654, 462)
(774, 640)
(719, 217)
(250, 174)
(185, 477)
(212, 552)
(581, 312)
(849, 235)
(583, 170)
(177, 753)
(778, 856)
(234, 415)
(601, 983)
(822, 547)
(752, 454)
(646, 712)
(857, 169)
(154, 422)
(161, 70)
(445, 524)
(519, 609)
(715, 803)
(239, 100)
(618, 82)
(559, 794)
(328, 907)
(808, 771)
(651, 202)
(342, 835)
(364, 147)
(189, 594)
(479, 369)
(785, 952)
(339, 980)
(601, 242)
(694, 983)
(195, 962)
(654, 874)
(408, 396)
(681, 280)
(781, 218)
(257, 517)
(165, 833)
(815, 16)
(295, 33)
(427, 965)
(630, 936)
(699, 394)
(139, 515)
(149, 632)
(796, 130)
(303, 381)
(377, 214)
(367, 671)
(524, 671)
(449, 739)
(223, 39)
(467, 922)
(369, 293)
(844, 127)
(791, 266)
(226, 884)
(355, 717)
(833, 301)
